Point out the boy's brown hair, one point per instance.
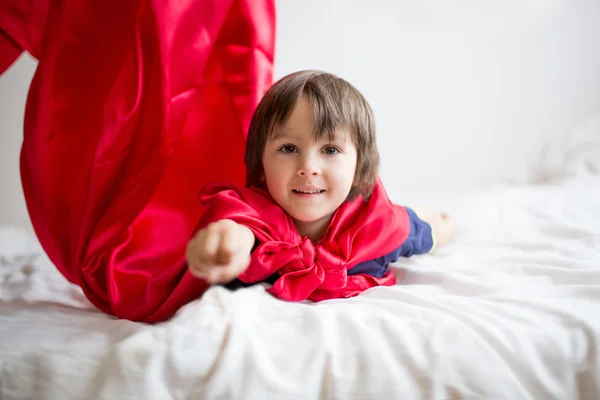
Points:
(336, 104)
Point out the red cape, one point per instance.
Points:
(134, 106)
(359, 231)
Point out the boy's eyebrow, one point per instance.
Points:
(280, 134)
(283, 135)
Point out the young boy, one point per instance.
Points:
(314, 219)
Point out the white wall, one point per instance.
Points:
(14, 85)
(465, 92)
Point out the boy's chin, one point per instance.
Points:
(308, 218)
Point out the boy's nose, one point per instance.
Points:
(309, 167)
(304, 172)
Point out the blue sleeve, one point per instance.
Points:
(420, 240)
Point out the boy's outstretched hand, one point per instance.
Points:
(220, 252)
(443, 226)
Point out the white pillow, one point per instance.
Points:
(576, 153)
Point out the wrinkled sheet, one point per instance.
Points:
(511, 311)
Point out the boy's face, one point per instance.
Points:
(308, 179)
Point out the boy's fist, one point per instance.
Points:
(220, 252)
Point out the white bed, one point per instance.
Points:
(511, 311)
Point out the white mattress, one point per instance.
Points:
(511, 311)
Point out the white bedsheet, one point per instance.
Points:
(511, 311)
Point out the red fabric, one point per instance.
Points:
(359, 231)
(22, 28)
(9, 52)
(135, 105)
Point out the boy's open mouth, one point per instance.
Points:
(315, 191)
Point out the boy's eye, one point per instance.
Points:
(330, 150)
(288, 148)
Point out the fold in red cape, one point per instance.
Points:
(359, 231)
(134, 106)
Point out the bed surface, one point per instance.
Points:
(511, 311)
